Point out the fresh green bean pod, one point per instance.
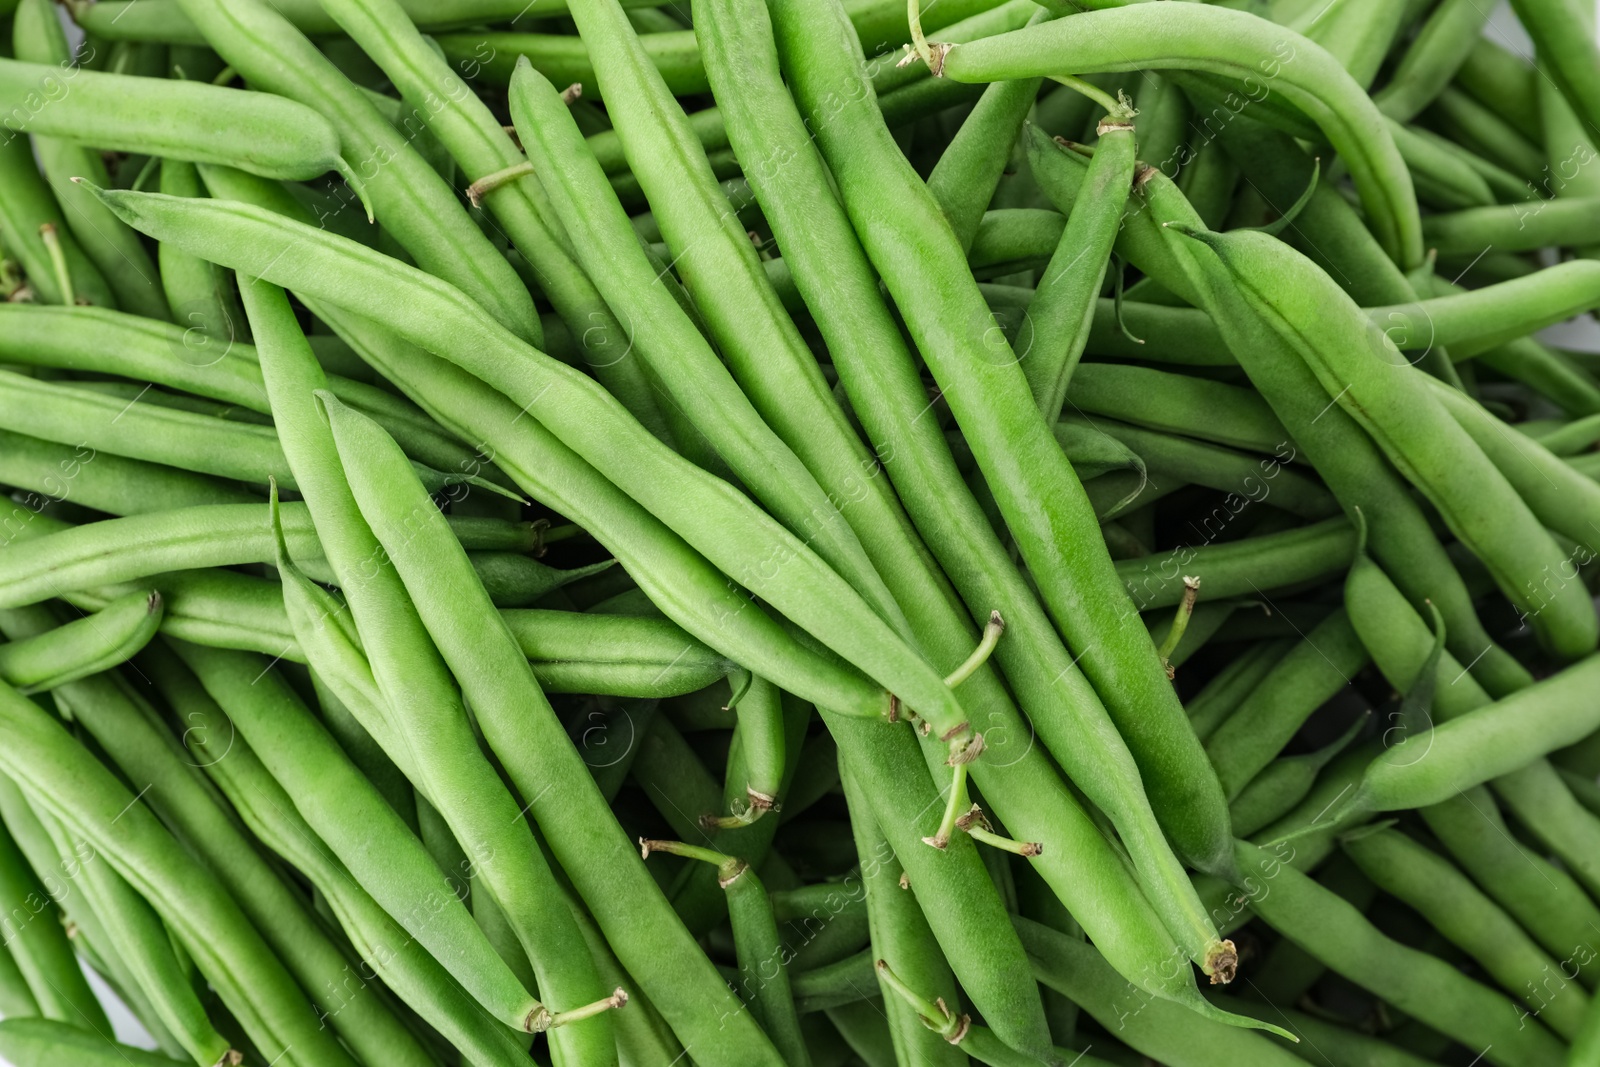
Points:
(921, 262)
(1210, 707)
(1564, 38)
(1441, 894)
(1279, 705)
(1358, 33)
(1191, 38)
(46, 1043)
(255, 131)
(755, 935)
(1064, 304)
(1473, 321)
(16, 999)
(82, 647)
(1482, 133)
(1554, 375)
(403, 964)
(1432, 58)
(326, 789)
(1392, 402)
(118, 253)
(1524, 227)
(201, 294)
(119, 550)
(1442, 182)
(38, 944)
(1499, 78)
(477, 646)
(964, 179)
(565, 59)
(834, 268)
(105, 482)
(1182, 404)
(765, 458)
(209, 923)
(406, 195)
(900, 934)
(1264, 480)
(584, 415)
(1423, 986)
(136, 935)
(437, 95)
(1239, 568)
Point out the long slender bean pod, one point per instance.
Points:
(81, 647)
(922, 264)
(1432, 59)
(214, 931)
(28, 211)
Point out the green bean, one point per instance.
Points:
(1480, 131)
(326, 788)
(136, 935)
(1149, 1025)
(1358, 33)
(1239, 568)
(1021, 461)
(1453, 906)
(584, 415)
(114, 249)
(44, 1043)
(1285, 783)
(1279, 705)
(106, 482)
(1432, 59)
(1063, 307)
(200, 293)
(1422, 986)
(1471, 322)
(964, 179)
(899, 933)
(407, 196)
(1569, 438)
(1210, 708)
(1391, 401)
(1502, 80)
(1191, 38)
(1175, 403)
(421, 548)
(1547, 372)
(209, 924)
(81, 647)
(480, 144)
(1190, 462)
(212, 535)
(263, 134)
(563, 59)
(37, 942)
(403, 964)
(1564, 500)
(863, 332)
(755, 934)
(1565, 223)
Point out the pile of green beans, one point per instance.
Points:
(816, 533)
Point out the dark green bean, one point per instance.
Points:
(1210, 708)
(1452, 905)
(1285, 783)
(1481, 132)
(1242, 567)
(44, 1043)
(1500, 79)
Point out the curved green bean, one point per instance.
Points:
(1285, 783)
(1441, 46)
(1390, 399)
(1238, 46)
(1424, 880)
(1242, 567)
(82, 647)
